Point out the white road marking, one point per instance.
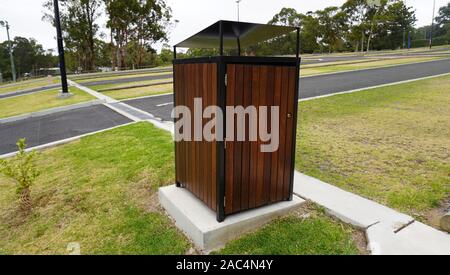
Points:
(164, 104)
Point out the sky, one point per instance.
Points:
(25, 16)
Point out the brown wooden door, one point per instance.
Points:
(253, 178)
(196, 161)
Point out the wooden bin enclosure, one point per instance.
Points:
(234, 176)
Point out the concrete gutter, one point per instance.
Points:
(388, 232)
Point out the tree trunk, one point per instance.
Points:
(25, 200)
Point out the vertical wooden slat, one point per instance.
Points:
(247, 101)
(192, 166)
(275, 155)
(290, 124)
(229, 152)
(214, 144)
(261, 155)
(283, 108)
(238, 96)
(206, 145)
(254, 145)
(268, 155)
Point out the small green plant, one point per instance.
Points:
(23, 171)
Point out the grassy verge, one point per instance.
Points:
(138, 92)
(99, 192)
(300, 234)
(316, 70)
(389, 144)
(126, 85)
(29, 84)
(40, 101)
(81, 81)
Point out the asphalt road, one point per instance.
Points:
(320, 85)
(54, 127)
(63, 125)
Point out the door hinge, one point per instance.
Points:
(226, 79)
(224, 201)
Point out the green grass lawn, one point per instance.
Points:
(126, 85)
(125, 76)
(294, 235)
(40, 101)
(138, 92)
(101, 192)
(29, 84)
(390, 144)
(334, 67)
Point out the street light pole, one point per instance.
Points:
(432, 25)
(11, 56)
(238, 9)
(62, 62)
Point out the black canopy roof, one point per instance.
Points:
(236, 35)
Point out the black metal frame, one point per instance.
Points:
(222, 62)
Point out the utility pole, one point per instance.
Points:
(238, 9)
(11, 56)
(432, 25)
(62, 62)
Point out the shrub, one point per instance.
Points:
(23, 171)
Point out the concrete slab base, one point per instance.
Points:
(199, 223)
(62, 95)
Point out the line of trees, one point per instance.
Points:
(134, 27)
(358, 25)
(29, 57)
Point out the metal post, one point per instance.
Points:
(174, 52)
(221, 38)
(238, 9)
(62, 62)
(297, 54)
(11, 56)
(432, 24)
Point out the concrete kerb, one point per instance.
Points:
(388, 232)
(348, 207)
(415, 239)
(98, 95)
